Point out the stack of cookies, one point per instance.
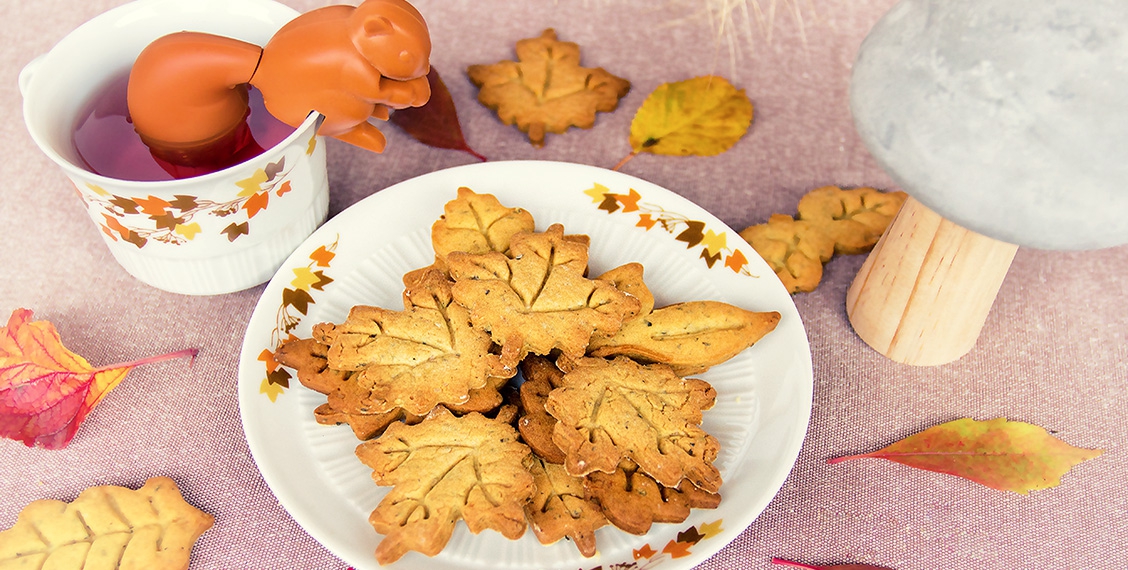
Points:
(600, 425)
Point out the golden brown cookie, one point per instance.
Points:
(854, 218)
(538, 300)
(559, 509)
(546, 90)
(107, 527)
(308, 358)
(628, 279)
(535, 425)
(794, 249)
(442, 470)
(690, 337)
(416, 359)
(477, 223)
(364, 426)
(632, 500)
(608, 411)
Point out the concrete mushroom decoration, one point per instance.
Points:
(1006, 121)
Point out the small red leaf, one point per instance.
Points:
(1001, 454)
(435, 123)
(46, 391)
(783, 562)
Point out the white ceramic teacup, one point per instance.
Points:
(216, 233)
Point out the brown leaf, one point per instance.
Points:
(442, 470)
(435, 123)
(546, 90)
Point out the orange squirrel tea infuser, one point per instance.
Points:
(188, 91)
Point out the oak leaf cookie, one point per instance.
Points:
(107, 527)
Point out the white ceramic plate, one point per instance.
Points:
(358, 257)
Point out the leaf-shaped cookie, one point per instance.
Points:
(854, 219)
(536, 426)
(546, 90)
(690, 337)
(107, 527)
(702, 116)
(632, 500)
(795, 250)
(442, 470)
(628, 279)
(608, 411)
(538, 300)
(416, 359)
(558, 508)
(477, 223)
(309, 359)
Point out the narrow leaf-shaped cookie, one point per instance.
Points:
(538, 299)
(443, 470)
(107, 527)
(416, 359)
(608, 411)
(690, 337)
(1001, 454)
(558, 508)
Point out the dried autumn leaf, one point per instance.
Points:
(546, 90)
(442, 470)
(783, 562)
(538, 300)
(690, 337)
(436, 122)
(415, 359)
(703, 116)
(46, 391)
(107, 527)
(1001, 454)
(608, 411)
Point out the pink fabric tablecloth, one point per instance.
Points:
(1053, 351)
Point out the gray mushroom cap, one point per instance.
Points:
(1008, 117)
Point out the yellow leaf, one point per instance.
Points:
(188, 230)
(703, 116)
(312, 145)
(714, 243)
(97, 189)
(303, 278)
(253, 184)
(709, 530)
(597, 192)
(271, 390)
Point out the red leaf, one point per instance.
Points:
(435, 123)
(1005, 455)
(46, 391)
(783, 562)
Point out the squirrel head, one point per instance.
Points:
(393, 37)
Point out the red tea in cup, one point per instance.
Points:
(107, 144)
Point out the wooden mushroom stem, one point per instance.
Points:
(924, 292)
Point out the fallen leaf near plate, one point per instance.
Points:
(46, 391)
(1001, 454)
(435, 123)
(703, 116)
